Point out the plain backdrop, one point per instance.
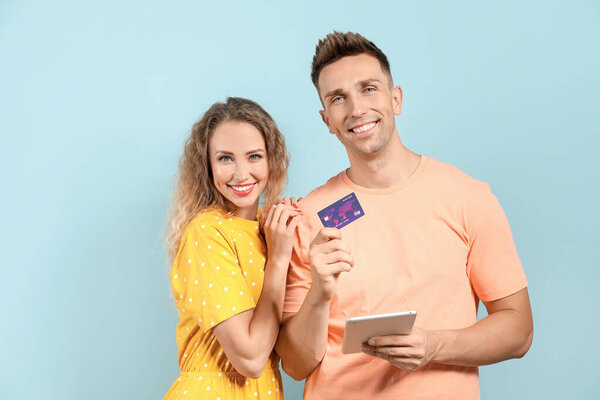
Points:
(96, 99)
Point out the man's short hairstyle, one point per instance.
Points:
(337, 45)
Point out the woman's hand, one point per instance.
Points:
(248, 337)
(280, 225)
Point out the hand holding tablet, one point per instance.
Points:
(360, 329)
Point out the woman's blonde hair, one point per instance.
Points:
(195, 190)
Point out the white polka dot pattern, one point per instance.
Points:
(218, 273)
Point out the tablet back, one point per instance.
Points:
(360, 329)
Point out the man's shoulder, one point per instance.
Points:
(327, 193)
(449, 177)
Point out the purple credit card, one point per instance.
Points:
(342, 212)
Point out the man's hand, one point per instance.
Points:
(329, 257)
(302, 341)
(505, 333)
(408, 351)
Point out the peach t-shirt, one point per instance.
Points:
(435, 244)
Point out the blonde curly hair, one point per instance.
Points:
(195, 190)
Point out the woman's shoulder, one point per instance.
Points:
(210, 218)
(221, 224)
(209, 227)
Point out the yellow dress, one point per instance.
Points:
(218, 273)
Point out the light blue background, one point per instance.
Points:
(96, 100)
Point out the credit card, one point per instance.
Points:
(342, 212)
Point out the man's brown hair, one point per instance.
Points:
(337, 45)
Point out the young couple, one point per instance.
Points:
(245, 283)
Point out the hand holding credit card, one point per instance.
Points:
(342, 212)
(328, 254)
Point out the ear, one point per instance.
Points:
(326, 121)
(397, 100)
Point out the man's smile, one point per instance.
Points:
(364, 128)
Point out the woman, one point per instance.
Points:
(227, 282)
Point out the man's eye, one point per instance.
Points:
(224, 158)
(369, 90)
(337, 99)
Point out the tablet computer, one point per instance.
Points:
(360, 329)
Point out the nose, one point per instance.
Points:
(241, 171)
(358, 107)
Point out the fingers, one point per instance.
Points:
(269, 218)
(291, 201)
(295, 202)
(332, 251)
(390, 340)
(279, 216)
(279, 208)
(394, 351)
(398, 345)
(337, 268)
(408, 351)
(405, 362)
(274, 214)
(325, 235)
(333, 246)
(293, 223)
(324, 273)
(339, 257)
(407, 359)
(328, 249)
(400, 352)
(283, 219)
(288, 201)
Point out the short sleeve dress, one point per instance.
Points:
(218, 273)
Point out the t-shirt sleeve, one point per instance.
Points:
(210, 283)
(299, 279)
(493, 265)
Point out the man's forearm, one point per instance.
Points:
(302, 339)
(495, 338)
(506, 333)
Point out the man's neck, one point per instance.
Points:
(390, 167)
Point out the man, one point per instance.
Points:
(432, 239)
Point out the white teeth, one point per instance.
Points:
(364, 128)
(242, 188)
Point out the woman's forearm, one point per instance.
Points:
(249, 337)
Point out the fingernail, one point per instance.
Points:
(371, 342)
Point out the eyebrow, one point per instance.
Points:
(334, 92)
(366, 82)
(248, 152)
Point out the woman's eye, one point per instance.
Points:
(224, 158)
(255, 157)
